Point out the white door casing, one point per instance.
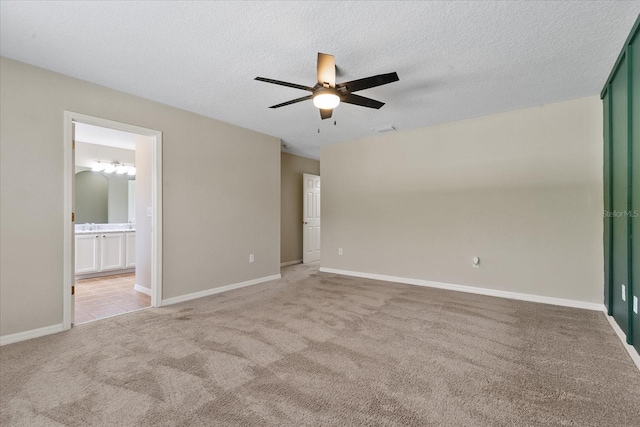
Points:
(311, 218)
(156, 207)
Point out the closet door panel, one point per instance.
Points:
(619, 175)
(635, 186)
(607, 205)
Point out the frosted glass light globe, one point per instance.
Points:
(326, 99)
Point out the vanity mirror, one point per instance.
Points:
(104, 198)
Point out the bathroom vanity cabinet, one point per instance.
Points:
(130, 250)
(105, 252)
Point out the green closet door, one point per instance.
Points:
(635, 194)
(607, 205)
(620, 168)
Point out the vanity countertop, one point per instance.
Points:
(105, 228)
(123, 230)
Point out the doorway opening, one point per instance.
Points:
(311, 219)
(113, 224)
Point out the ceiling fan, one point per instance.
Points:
(326, 94)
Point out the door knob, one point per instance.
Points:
(305, 222)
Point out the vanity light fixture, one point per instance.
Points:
(111, 167)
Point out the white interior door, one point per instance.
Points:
(73, 224)
(311, 218)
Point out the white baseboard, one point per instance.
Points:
(33, 333)
(470, 289)
(620, 333)
(213, 291)
(105, 273)
(142, 289)
(284, 264)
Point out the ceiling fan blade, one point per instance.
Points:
(369, 82)
(361, 101)
(293, 101)
(281, 83)
(325, 113)
(326, 70)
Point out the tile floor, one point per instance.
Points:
(107, 296)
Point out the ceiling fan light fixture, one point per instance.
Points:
(326, 99)
(327, 94)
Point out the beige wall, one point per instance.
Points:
(292, 168)
(521, 190)
(221, 198)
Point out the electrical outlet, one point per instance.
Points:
(476, 262)
(251, 258)
(339, 251)
(624, 293)
(635, 304)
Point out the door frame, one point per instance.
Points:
(156, 206)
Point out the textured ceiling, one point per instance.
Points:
(455, 60)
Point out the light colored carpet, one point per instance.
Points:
(320, 349)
